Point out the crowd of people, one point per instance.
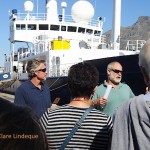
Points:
(90, 121)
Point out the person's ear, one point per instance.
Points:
(108, 71)
(35, 73)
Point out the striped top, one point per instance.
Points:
(94, 133)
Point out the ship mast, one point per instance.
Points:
(51, 8)
(116, 25)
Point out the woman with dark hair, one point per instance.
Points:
(20, 128)
(95, 131)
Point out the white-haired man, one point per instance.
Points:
(132, 120)
(119, 93)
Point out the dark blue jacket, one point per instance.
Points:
(38, 99)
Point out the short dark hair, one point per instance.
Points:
(21, 128)
(82, 79)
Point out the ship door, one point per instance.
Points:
(15, 69)
(58, 65)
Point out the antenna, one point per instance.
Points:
(37, 3)
(63, 5)
(95, 5)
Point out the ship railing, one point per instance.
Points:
(135, 45)
(43, 17)
(103, 39)
(60, 70)
(23, 55)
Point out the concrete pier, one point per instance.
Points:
(6, 96)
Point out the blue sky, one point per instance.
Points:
(131, 10)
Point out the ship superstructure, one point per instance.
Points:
(62, 40)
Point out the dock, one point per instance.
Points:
(8, 97)
(11, 97)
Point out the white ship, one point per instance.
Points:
(63, 40)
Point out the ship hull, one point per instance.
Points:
(59, 88)
(131, 71)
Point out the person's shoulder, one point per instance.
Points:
(137, 98)
(100, 86)
(45, 85)
(102, 117)
(127, 104)
(131, 104)
(51, 111)
(124, 85)
(100, 114)
(24, 85)
(123, 109)
(58, 109)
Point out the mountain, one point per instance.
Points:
(140, 30)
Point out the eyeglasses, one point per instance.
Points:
(117, 71)
(42, 70)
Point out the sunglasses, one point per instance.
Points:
(42, 70)
(117, 71)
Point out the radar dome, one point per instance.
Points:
(28, 6)
(63, 4)
(82, 11)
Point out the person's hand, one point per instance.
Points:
(101, 101)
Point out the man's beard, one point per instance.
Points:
(115, 80)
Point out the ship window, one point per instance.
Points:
(25, 50)
(31, 27)
(97, 33)
(54, 27)
(20, 26)
(15, 57)
(89, 31)
(17, 26)
(23, 27)
(63, 28)
(14, 68)
(81, 30)
(43, 26)
(72, 29)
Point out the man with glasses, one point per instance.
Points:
(131, 130)
(119, 93)
(34, 92)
